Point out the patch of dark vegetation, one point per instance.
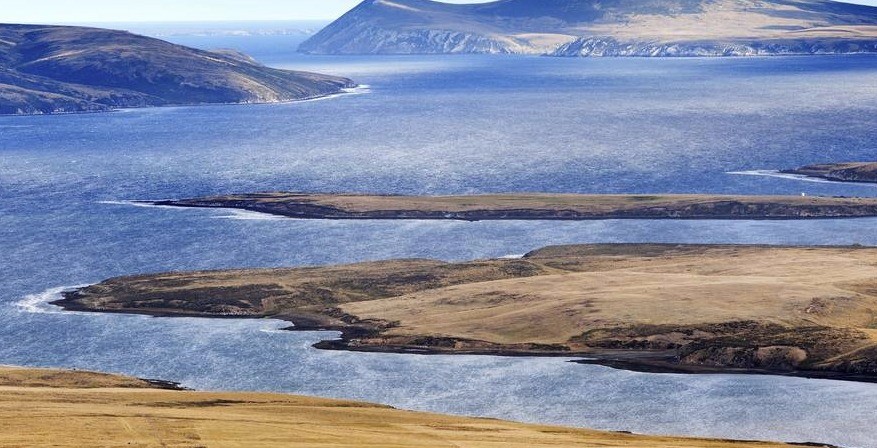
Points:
(739, 345)
(166, 385)
(196, 404)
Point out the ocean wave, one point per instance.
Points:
(246, 215)
(136, 203)
(40, 303)
(278, 329)
(241, 215)
(358, 90)
(781, 175)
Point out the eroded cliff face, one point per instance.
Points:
(607, 46)
(656, 28)
(377, 40)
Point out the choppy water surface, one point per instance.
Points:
(432, 125)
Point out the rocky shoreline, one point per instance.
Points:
(663, 360)
(568, 207)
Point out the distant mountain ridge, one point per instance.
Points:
(601, 28)
(57, 69)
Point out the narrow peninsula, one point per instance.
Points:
(839, 172)
(804, 311)
(73, 409)
(525, 206)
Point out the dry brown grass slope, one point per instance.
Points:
(90, 410)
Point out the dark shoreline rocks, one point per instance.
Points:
(165, 385)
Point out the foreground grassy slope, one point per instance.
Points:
(791, 310)
(90, 410)
(73, 379)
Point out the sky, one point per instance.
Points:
(91, 11)
(73, 11)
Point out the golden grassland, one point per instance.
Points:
(593, 288)
(92, 410)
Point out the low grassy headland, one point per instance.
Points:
(533, 206)
(809, 311)
(537, 206)
(76, 379)
(82, 409)
(840, 172)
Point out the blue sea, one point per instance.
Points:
(431, 125)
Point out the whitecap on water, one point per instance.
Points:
(358, 90)
(138, 203)
(40, 303)
(781, 175)
(241, 215)
(512, 257)
(246, 215)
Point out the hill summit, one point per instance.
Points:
(602, 28)
(56, 69)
